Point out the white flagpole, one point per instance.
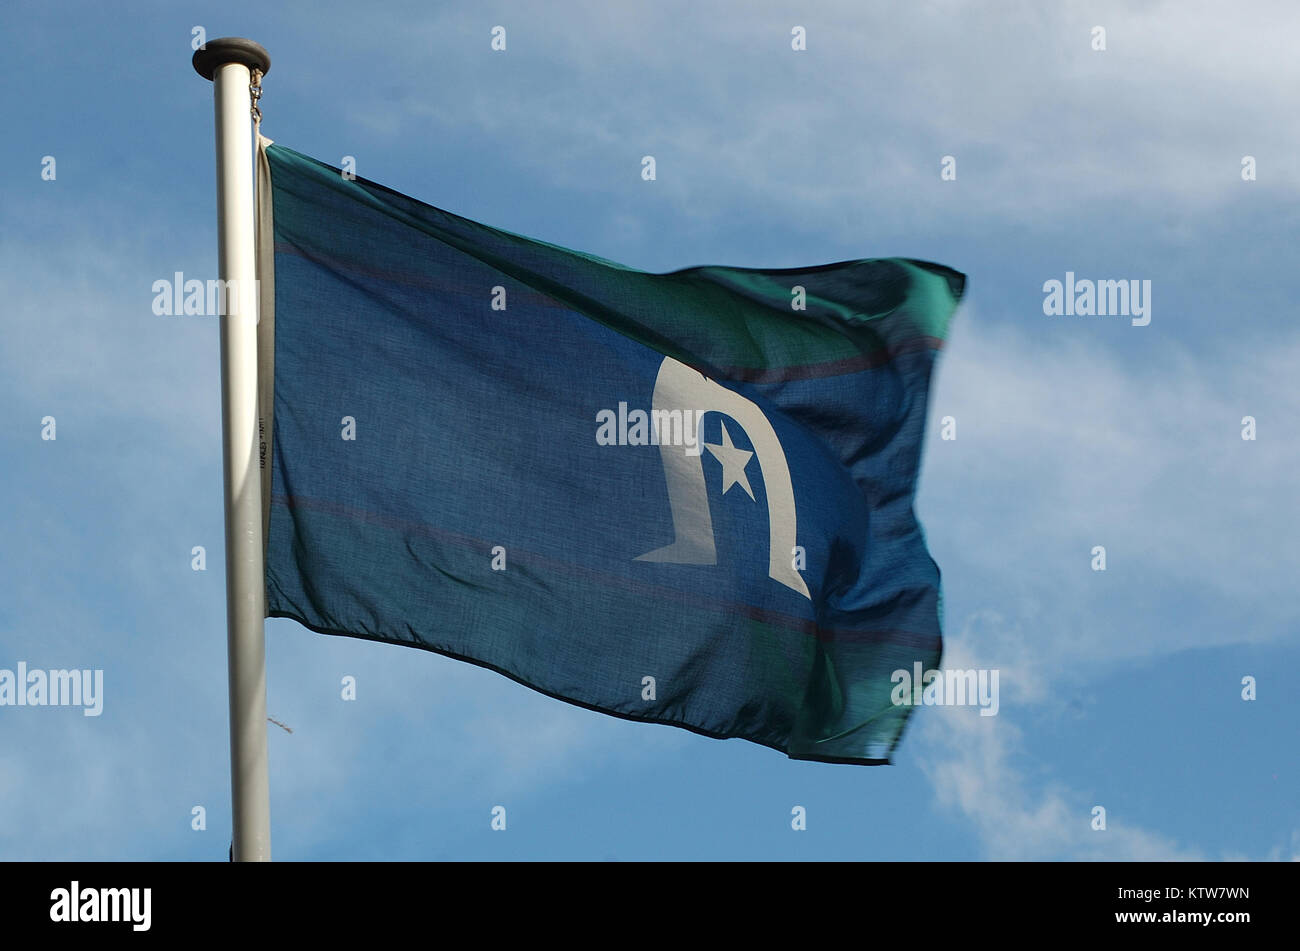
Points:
(227, 62)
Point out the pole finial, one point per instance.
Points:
(214, 54)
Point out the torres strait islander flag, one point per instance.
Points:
(682, 498)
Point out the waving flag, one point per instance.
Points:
(681, 498)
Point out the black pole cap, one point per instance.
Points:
(214, 54)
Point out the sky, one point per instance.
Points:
(1120, 688)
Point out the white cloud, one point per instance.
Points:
(847, 136)
(1061, 447)
(972, 763)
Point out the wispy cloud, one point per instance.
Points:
(848, 135)
(1061, 447)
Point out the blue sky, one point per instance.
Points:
(1120, 689)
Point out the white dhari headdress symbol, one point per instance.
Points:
(678, 387)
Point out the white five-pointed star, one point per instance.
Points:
(733, 462)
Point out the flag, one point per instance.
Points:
(681, 498)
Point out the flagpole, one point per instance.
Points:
(228, 62)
